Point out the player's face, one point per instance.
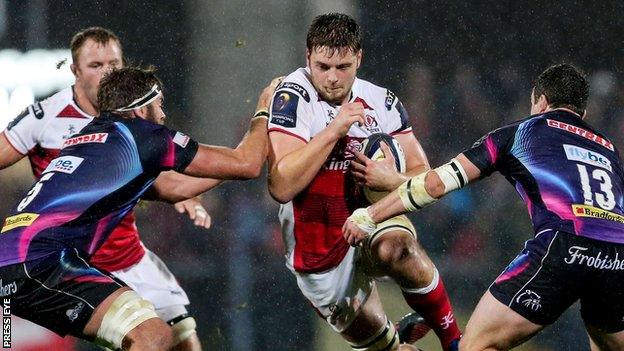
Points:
(155, 111)
(94, 61)
(333, 73)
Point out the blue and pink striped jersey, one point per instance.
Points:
(568, 174)
(86, 191)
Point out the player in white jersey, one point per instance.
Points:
(314, 142)
(44, 128)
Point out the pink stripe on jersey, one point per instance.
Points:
(491, 148)
(43, 222)
(168, 159)
(99, 232)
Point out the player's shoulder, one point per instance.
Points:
(374, 93)
(54, 104)
(299, 83)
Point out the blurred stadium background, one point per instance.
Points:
(460, 68)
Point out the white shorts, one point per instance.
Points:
(153, 281)
(338, 293)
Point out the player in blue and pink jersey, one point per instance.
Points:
(85, 192)
(570, 177)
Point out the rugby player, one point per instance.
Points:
(47, 240)
(571, 179)
(45, 127)
(319, 116)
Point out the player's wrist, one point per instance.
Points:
(261, 113)
(363, 220)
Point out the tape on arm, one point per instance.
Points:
(414, 195)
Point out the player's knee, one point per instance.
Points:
(386, 338)
(183, 328)
(393, 249)
(151, 335)
(131, 321)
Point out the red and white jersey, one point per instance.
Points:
(312, 222)
(40, 132)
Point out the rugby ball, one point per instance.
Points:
(371, 147)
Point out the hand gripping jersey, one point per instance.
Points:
(41, 131)
(568, 174)
(312, 222)
(91, 186)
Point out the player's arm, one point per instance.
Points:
(294, 163)
(8, 154)
(246, 160)
(174, 187)
(416, 193)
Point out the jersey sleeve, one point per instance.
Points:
(399, 119)
(291, 112)
(23, 131)
(166, 150)
(489, 153)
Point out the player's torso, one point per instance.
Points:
(319, 211)
(80, 197)
(575, 177)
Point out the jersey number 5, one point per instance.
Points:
(604, 198)
(34, 191)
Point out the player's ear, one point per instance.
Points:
(73, 69)
(358, 57)
(141, 112)
(308, 53)
(542, 103)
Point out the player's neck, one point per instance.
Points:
(80, 97)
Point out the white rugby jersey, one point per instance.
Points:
(40, 132)
(312, 222)
(42, 128)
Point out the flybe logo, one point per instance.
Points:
(593, 158)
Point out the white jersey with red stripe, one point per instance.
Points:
(312, 221)
(40, 132)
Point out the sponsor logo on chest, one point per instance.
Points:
(64, 164)
(87, 138)
(18, 220)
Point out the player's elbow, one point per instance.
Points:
(280, 194)
(250, 170)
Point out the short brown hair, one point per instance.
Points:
(98, 34)
(564, 85)
(336, 31)
(122, 86)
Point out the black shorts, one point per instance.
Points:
(555, 269)
(59, 292)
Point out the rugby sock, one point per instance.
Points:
(433, 304)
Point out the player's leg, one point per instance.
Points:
(494, 326)
(371, 330)
(63, 293)
(124, 320)
(394, 251)
(532, 292)
(153, 281)
(602, 299)
(601, 340)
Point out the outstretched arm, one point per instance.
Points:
(416, 193)
(8, 154)
(247, 159)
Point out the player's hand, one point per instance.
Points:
(358, 227)
(264, 101)
(350, 113)
(196, 212)
(379, 175)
